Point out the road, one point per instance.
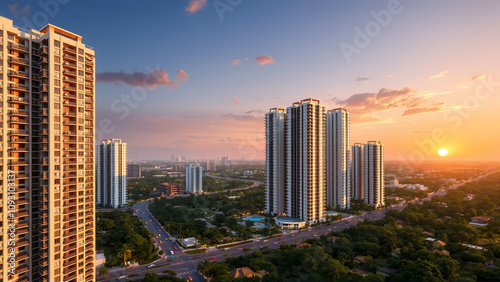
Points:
(185, 265)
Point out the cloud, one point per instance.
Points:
(441, 74)
(254, 112)
(149, 80)
(390, 75)
(235, 100)
(195, 5)
(238, 117)
(236, 61)
(262, 60)
(364, 79)
(415, 111)
(479, 76)
(181, 75)
(18, 12)
(364, 106)
(473, 79)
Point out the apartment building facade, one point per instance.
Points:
(111, 176)
(357, 172)
(194, 179)
(305, 161)
(275, 161)
(338, 182)
(47, 181)
(374, 173)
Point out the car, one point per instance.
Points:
(212, 259)
(190, 279)
(151, 265)
(122, 277)
(169, 238)
(161, 242)
(175, 248)
(172, 252)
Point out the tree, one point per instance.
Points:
(151, 277)
(103, 270)
(125, 252)
(249, 223)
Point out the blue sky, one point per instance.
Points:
(219, 109)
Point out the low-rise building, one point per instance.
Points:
(287, 222)
(190, 242)
(242, 272)
(479, 220)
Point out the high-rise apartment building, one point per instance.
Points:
(338, 183)
(374, 173)
(47, 160)
(111, 158)
(357, 172)
(194, 177)
(134, 171)
(305, 161)
(275, 161)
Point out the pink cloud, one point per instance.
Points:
(195, 5)
(181, 75)
(18, 12)
(363, 106)
(235, 100)
(262, 60)
(236, 61)
(149, 80)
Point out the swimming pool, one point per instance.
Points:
(254, 218)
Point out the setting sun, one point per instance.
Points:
(442, 152)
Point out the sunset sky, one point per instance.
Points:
(194, 78)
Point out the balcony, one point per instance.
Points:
(18, 100)
(18, 87)
(69, 72)
(18, 120)
(18, 132)
(89, 62)
(69, 114)
(19, 61)
(89, 77)
(69, 65)
(18, 113)
(69, 49)
(18, 47)
(19, 74)
(43, 50)
(44, 73)
(72, 103)
(22, 243)
(69, 88)
(69, 57)
(68, 78)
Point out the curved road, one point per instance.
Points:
(185, 265)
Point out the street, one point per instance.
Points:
(185, 265)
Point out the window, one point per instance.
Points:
(80, 59)
(80, 51)
(57, 67)
(80, 72)
(57, 59)
(57, 43)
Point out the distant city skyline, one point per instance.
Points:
(194, 81)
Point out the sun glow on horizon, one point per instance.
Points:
(442, 152)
